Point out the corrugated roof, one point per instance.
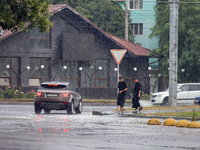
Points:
(56, 8)
(131, 47)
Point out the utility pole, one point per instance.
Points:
(126, 22)
(173, 52)
(126, 17)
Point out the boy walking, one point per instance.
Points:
(121, 95)
(136, 96)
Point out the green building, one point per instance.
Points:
(143, 19)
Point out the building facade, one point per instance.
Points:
(143, 19)
(73, 51)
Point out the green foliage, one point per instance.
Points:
(144, 96)
(10, 93)
(18, 94)
(30, 94)
(17, 15)
(107, 15)
(1, 93)
(194, 115)
(189, 39)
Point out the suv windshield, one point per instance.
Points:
(53, 86)
(177, 87)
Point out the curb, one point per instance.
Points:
(159, 117)
(101, 113)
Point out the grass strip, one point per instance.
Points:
(174, 114)
(165, 108)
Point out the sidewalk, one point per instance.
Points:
(144, 104)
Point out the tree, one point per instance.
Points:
(16, 15)
(189, 39)
(109, 16)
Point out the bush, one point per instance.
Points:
(18, 94)
(11, 92)
(1, 93)
(143, 97)
(30, 94)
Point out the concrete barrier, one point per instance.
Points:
(170, 122)
(154, 121)
(193, 124)
(182, 123)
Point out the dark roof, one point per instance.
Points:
(131, 47)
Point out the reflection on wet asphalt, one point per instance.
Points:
(21, 129)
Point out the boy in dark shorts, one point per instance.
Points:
(121, 95)
(136, 96)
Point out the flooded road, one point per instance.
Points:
(22, 129)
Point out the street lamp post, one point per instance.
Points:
(117, 70)
(135, 69)
(27, 68)
(53, 77)
(90, 77)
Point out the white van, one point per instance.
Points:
(186, 92)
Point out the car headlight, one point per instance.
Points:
(153, 96)
(158, 95)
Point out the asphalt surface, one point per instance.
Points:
(22, 129)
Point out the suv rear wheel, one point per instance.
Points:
(37, 109)
(70, 108)
(78, 110)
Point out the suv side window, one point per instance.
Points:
(198, 87)
(71, 87)
(184, 88)
(67, 87)
(193, 88)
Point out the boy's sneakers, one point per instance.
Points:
(140, 108)
(135, 111)
(120, 112)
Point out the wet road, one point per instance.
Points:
(22, 129)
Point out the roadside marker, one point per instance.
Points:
(118, 54)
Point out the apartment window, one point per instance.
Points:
(136, 4)
(39, 40)
(71, 74)
(100, 78)
(37, 74)
(8, 77)
(137, 28)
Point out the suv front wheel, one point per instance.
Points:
(70, 108)
(165, 102)
(79, 109)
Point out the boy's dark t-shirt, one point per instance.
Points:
(122, 86)
(138, 86)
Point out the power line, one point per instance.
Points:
(153, 1)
